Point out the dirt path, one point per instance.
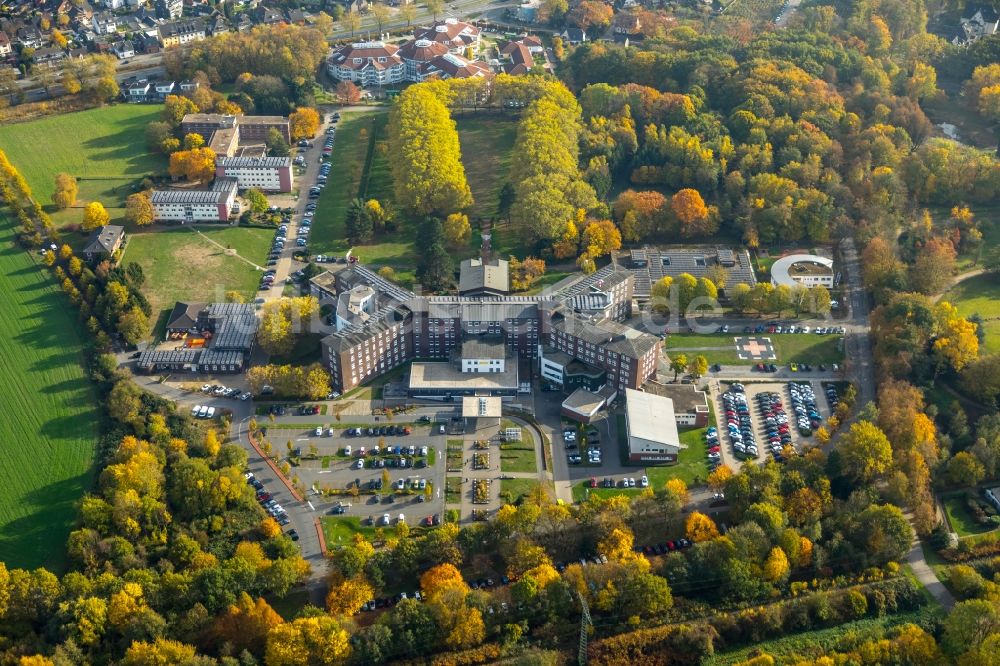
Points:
(961, 277)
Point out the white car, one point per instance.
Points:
(220, 390)
(318, 432)
(385, 519)
(195, 410)
(401, 519)
(205, 388)
(360, 464)
(423, 450)
(203, 412)
(211, 413)
(644, 482)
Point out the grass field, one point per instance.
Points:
(692, 463)
(791, 348)
(105, 145)
(518, 456)
(341, 531)
(960, 518)
(582, 490)
(486, 154)
(50, 417)
(182, 264)
(513, 490)
(363, 161)
(980, 294)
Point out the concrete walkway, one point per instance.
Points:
(918, 563)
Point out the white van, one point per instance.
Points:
(211, 413)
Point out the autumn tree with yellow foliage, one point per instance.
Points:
(700, 527)
(197, 164)
(427, 166)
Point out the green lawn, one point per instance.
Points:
(363, 161)
(182, 264)
(339, 531)
(980, 294)
(791, 348)
(513, 490)
(105, 145)
(50, 417)
(960, 518)
(518, 456)
(486, 153)
(453, 489)
(692, 464)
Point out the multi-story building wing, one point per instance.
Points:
(578, 323)
(187, 206)
(271, 174)
(367, 64)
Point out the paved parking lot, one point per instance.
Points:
(331, 469)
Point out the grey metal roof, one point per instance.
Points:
(168, 357)
(224, 357)
(235, 333)
(189, 196)
(475, 274)
(236, 162)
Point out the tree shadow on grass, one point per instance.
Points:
(39, 538)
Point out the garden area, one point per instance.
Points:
(969, 513)
(518, 456)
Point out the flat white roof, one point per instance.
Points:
(781, 269)
(481, 407)
(651, 417)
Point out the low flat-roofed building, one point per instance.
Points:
(582, 405)
(809, 270)
(481, 412)
(484, 278)
(323, 286)
(690, 404)
(443, 379)
(218, 338)
(651, 428)
(483, 354)
(649, 264)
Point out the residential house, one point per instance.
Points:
(533, 43)
(147, 44)
(418, 52)
(169, 9)
(123, 49)
(29, 37)
(456, 35)
(187, 87)
(181, 32)
(136, 91)
(5, 46)
(113, 5)
(104, 23)
(574, 36)
(104, 242)
(367, 64)
(626, 23)
(267, 16)
(164, 88)
(49, 56)
(295, 16)
(516, 58)
(218, 25)
(977, 21)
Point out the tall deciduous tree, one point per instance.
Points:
(427, 169)
(65, 192)
(303, 123)
(94, 216)
(139, 209)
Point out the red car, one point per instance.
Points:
(593, 482)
